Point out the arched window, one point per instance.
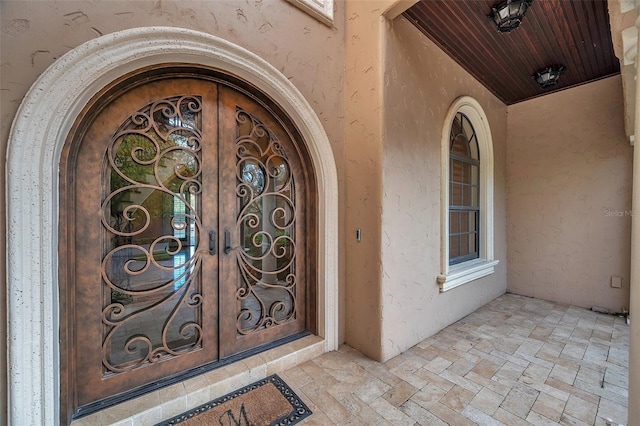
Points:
(464, 192)
(467, 188)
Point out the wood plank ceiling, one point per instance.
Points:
(572, 33)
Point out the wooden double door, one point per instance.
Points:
(187, 236)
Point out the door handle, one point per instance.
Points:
(227, 242)
(212, 242)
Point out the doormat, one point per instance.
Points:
(268, 401)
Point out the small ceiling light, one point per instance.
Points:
(549, 76)
(508, 15)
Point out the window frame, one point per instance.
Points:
(467, 206)
(452, 276)
(322, 10)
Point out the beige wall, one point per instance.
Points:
(363, 155)
(398, 89)
(399, 86)
(569, 188)
(421, 83)
(36, 33)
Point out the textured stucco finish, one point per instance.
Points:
(421, 83)
(624, 30)
(363, 155)
(569, 196)
(393, 121)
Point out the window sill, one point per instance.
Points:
(465, 272)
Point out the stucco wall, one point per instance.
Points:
(35, 33)
(569, 196)
(363, 155)
(421, 83)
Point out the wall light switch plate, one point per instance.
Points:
(616, 282)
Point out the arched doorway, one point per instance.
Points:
(45, 118)
(203, 247)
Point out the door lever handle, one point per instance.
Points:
(227, 242)
(212, 242)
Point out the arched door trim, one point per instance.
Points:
(37, 136)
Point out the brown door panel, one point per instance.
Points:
(149, 148)
(188, 236)
(262, 275)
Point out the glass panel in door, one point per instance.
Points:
(151, 219)
(146, 284)
(262, 270)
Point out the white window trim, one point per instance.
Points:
(322, 10)
(452, 276)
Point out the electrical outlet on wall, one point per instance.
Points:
(616, 282)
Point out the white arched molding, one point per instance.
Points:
(37, 136)
(453, 276)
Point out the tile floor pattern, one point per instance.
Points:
(515, 361)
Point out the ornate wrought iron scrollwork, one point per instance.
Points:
(266, 225)
(151, 268)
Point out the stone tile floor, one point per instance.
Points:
(515, 361)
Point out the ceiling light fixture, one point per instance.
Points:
(508, 15)
(549, 76)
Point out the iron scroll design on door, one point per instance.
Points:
(151, 267)
(266, 223)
